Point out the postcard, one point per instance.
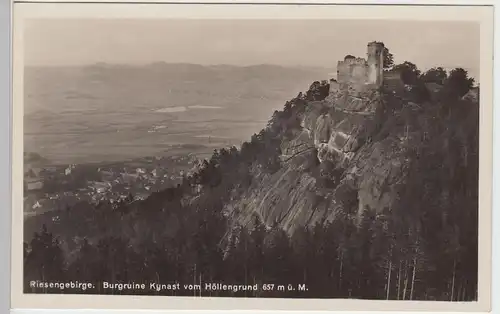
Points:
(273, 157)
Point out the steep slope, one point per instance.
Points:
(356, 153)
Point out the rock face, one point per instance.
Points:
(360, 142)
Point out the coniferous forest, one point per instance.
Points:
(423, 248)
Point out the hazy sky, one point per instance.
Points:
(246, 42)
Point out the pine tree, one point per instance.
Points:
(44, 259)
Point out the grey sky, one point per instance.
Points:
(246, 42)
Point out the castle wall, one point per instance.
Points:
(343, 72)
(334, 86)
(352, 71)
(359, 74)
(392, 81)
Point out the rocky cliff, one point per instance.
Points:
(355, 152)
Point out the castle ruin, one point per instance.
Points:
(361, 74)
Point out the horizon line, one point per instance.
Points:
(142, 64)
(139, 64)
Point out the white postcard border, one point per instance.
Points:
(52, 10)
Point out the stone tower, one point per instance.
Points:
(375, 63)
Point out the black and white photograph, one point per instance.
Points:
(252, 158)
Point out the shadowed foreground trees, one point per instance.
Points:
(361, 263)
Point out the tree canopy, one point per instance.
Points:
(388, 59)
(435, 75)
(458, 82)
(408, 71)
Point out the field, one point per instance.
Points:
(110, 112)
